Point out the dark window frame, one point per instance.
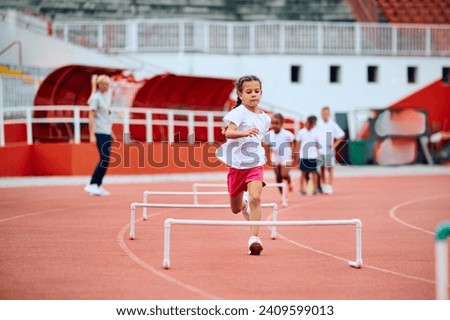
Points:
(335, 74)
(296, 75)
(372, 74)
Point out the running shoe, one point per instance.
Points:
(327, 189)
(254, 246)
(103, 192)
(92, 189)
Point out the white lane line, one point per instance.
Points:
(393, 214)
(375, 268)
(163, 275)
(26, 215)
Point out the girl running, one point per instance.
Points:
(280, 144)
(246, 126)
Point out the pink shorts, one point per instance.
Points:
(238, 178)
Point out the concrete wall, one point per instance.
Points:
(314, 89)
(43, 51)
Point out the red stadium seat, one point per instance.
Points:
(416, 11)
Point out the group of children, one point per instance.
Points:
(313, 152)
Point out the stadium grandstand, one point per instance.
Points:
(231, 10)
(361, 57)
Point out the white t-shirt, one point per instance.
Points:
(280, 145)
(100, 103)
(309, 140)
(246, 152)
(328, 131)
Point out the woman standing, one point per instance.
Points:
(100, 131)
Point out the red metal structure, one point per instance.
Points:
(68, 85)
(169, 91)
(71, 85)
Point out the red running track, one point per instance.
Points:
(60, 243)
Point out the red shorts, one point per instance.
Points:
(238, 178)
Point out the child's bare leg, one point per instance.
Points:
(315, 182)
(330, 175)
(278, 175)
(303, 182)
(323, 179)
(236, 203)
(254, 192)
(285, 176)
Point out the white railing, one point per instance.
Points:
(20, 90)
(31, 20)
(16, 91)
(123, 116)
(278, 37)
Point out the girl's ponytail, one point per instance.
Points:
(93, 86)
(238, 102)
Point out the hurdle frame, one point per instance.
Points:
(441, 260)
(284, 201)
(135, 205)
(357, 263)
(177, 193)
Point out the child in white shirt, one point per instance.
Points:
(280, 143)
(307, 146)
(330, 135)
(246, 126)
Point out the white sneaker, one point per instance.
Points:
(103, 192)
(246, 211)
(92, 189)
(327, 189)
(254, 246)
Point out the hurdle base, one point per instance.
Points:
(166, 264)
(355, 264)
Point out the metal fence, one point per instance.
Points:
(149, 118)
(123, 116)
(16, 92)
(19, 91)
(280, 37)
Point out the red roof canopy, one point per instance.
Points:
(185, 92)
(69, 85)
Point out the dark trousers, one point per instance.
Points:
(103, 146)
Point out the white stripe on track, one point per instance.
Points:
(155, 271)
(393, 215)
(375, 268)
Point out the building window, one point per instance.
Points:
(372, 74)
(446, 75)
(295, 74)
(412, 74)
(335, 74)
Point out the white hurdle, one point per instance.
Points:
(179, 193)
(135, 205)
(284, 201)
(170, 221)
(441, 260)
